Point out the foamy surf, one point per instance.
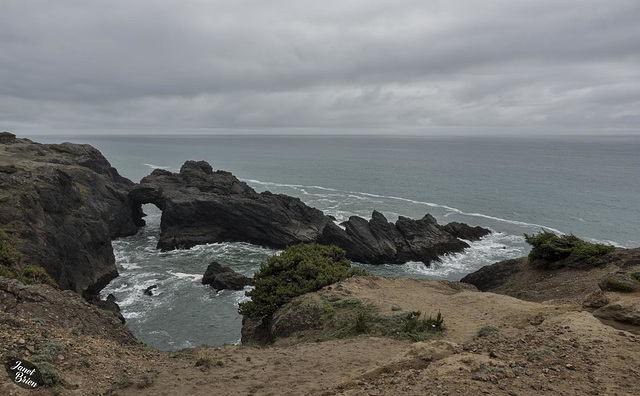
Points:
(363, 196)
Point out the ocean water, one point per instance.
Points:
(587, 186)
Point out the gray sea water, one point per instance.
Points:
(588, 186)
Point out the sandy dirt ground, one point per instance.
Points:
(553, 348)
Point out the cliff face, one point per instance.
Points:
(60, 206)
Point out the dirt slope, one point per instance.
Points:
(538, 348)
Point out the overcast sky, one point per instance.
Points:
(359, 66)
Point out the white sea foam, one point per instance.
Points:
(359, 195)
(152, 166)
(604, 242)
(182, 275)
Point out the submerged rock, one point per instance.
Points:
(221, 278)
(149, 290)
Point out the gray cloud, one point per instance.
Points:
(325, 66)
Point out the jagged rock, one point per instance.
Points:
(149, 290)
(221, 278)
(202, 206)
(108, 305)
(465, 231)
(63, 203)
(379, 241)
(7, 138)
(495, 275)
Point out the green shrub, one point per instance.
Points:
(11, 266)
(299, 269)
(419, 329)
(203, 362)
(535, 354)
(10, 259)
(50, 351)
(548, 248)
(37, 275)
(63, 149)
(487, 330)
(48, 374)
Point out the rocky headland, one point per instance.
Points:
(62, 204)
(200, 205)
(513, 328)
(60, 207)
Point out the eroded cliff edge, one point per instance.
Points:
(60, 207)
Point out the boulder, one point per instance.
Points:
(149, 290)
(624, 311)
(597, 299)
(621, 281)
(465, 231)
(221, 278)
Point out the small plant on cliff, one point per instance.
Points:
(299, 269)
(11, 266)
(549, 248)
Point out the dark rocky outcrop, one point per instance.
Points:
(465, 231)
(60, 207)
(495, 275)
(378, 241)
(109, 305)
(221, 278)
(149, 290)
(202, 206)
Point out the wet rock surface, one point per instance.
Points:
(221, 278)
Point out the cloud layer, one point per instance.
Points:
(289, 65)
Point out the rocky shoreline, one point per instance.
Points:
(511, 328)
(201, 206)
(62, 204)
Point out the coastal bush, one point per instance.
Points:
(37, 275)
(11, 266)
(548, 248)
(487, 331)
(299, 269)
(203, 362)
(50, 351)
(62, 149)
(48, 374)
(350, 318)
